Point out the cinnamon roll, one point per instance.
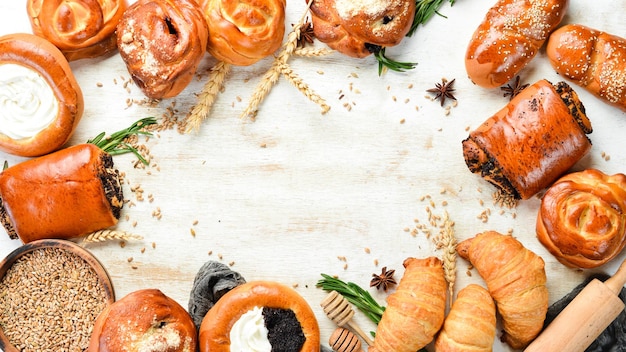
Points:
(582, 218)
(162, 43)
(79, 28)
(244, 32)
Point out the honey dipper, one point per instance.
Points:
(343, 340)
(585, 317)
(339, 310)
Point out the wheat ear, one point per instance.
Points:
(304, 88)
(207, 96)
(447, 243)
(108, 235)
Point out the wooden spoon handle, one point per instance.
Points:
(357, 330)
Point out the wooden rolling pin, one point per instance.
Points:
(585, 317)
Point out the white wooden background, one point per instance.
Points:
(285, 197)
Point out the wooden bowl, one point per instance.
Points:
(69, 246)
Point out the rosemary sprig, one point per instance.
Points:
(385, 62)
(424, 10)
(355, 295)
(6, 165)
(115, 144)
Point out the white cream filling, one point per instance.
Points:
(27, 102)
(249, 333)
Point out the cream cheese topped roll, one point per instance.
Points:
(27, 102)
(249, 333)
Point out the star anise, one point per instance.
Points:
(307, 36)
(443, 90)
(384, 280)
(512, 90)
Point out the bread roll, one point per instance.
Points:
(144, 320)
(415, 311)
(471, 323)
(592, 59)
(516, 279)
(356, 28)
(65, 194)
(162, 43)
(217, 324)
(80, 28)
(532, 141)
(582, 218)
(244, 32)
(509, 37)
(32, 67)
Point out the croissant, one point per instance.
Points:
(532, 141)
(592, 59)
(162, 43)
(582, 218)
(357, 28)
(471, 323)
(415, 311)
(516, 279)
(244, 32)
(79, 28)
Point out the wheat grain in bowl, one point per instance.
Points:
(51, 292)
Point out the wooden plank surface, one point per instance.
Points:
(289, 196)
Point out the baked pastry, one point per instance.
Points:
(244, 32)
(359, 28)
(582, 218)
(471, 323)
(144, 320)
(509, 37)
(65, 194)
(415, 311)
(533, 140)
(265, 313)
(162, 43)
(516, 279)
(44, 122)
(592, 59)
(79, 28)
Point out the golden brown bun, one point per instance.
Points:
(44, 58)
(509, 37)
(471, 324)
(516, 279)
(144, 320)
(415, 311)
(581, 220)
(162, 43)
(350, 26)
(532, 141)
(592, 59)
(244, 32)
(80, 28)
(216, 325)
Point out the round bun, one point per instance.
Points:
(355, 27)
(244, 32)
(216, 325)
(144, 320)
(581, 219)
(30, 132)
(162, 43)
(80, 28)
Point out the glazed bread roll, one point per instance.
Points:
(244, 32)
(79, 28)
(162, 43)
(532, 141)
(357, 28)
(45, 122)
(509, 37)
(516, 279)
(582, 218)
(225, 324)
(471, 323)
(144, 320)
(591, 59)
(65, 194)
(416, 310)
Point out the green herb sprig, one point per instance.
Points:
(355, 295)
(115, 144)
(385, 62)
